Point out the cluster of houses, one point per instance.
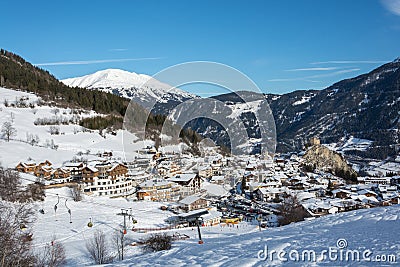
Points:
(197, 183)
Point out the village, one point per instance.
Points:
(215, 188)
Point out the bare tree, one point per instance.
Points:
(8, 130)
(55, 111)
(32, 139)
(291, 211)
(98, 248)
(10, 182)
(15, 238)
(54, 130)
(52, 255)
(118, 242)
(75, 192)
(157, 242)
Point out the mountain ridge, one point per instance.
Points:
(141, 88)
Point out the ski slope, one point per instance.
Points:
(374, 229)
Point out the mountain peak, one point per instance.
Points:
(143, 88)
(113, 78)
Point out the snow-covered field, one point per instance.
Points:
(371, 229)
(71, 140)
(351, 143)
(374, 232)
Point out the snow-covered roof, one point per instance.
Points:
(92, 168)
(73, 164)
(212, 214)
(153, 183)
(217, 178)
(183, 177)
(190, 199)
(214, 189)
(271, 190)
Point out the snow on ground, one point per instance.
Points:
(304, 99)
(356, 144)
(240, 108)
(372, 229)
(382, 168)
(214, 189)
(71, 140)
(11, 95)
(351, 144)
(103, 212)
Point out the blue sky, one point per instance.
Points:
(283, 45)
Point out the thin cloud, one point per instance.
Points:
(285, 80)
(311, 78)
(88, 62)
(314, 69)
(350, 62)
(333, 73)
(118, 49)
(392, 5)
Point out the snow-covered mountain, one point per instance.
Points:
(142, 88)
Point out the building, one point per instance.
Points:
(106, 178)
(217, 179)
(158, 190)
(314, 141)
(193, 202)
(189, 182)
(26, 167)
(61, 175)
(75, 169)
(43, 171)
(212, 218)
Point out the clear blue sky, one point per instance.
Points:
(282, 45)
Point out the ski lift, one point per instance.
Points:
(22, 227)
(55, 206)
(90, 224)
(69, 211)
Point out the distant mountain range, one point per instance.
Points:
(367, 107)
(141, 88)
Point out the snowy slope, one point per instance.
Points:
(373, 229)
(72, 140)
(140, 87)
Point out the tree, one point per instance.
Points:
(8, 130)
(98, 248)
(157, 242)
(15, 238)
(10, 182)
(75, 192)
(119, 243)
(243, 185)
(31, 139)
(52, 255)
(291, 211)
(54, 130)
